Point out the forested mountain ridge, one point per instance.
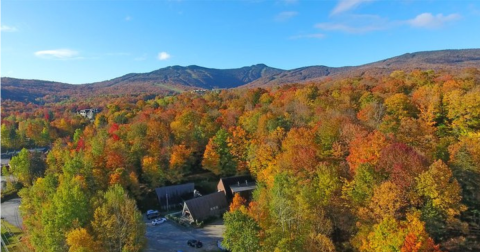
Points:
(445, 60)
(176, 79)
(33, 90)
(195, 77)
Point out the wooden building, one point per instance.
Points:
(237, 184)
(171, 197)
(202, 208)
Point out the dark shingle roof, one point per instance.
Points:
(201, 208)
(174, 193)
(235, 181)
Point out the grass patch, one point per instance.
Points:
(11, 235)
(177, 218)
(169, 87)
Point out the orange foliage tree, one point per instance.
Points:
(237, 202)
(366, 150)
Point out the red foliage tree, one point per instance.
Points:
(402, 163)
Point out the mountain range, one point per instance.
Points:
(177, 78)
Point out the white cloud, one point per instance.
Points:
(314, 35)
(360, 24)
(286, 15)
(163, 56)
(6, 28)
(63, 54)
(427, 20)
(345, 5)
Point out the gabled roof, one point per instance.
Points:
(206, 206)
(175, 189)
(235, 181)
(174, 193)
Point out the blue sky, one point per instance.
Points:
(87, 41)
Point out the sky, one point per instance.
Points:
(75, 41)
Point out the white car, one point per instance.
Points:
(158, 221)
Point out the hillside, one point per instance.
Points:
(176, 79)
(194, 77)
(172, 79)
(449, 60)
(298, 75)
(452, 58)
(31, 90)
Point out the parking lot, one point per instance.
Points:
(10, 212)
(170, 236)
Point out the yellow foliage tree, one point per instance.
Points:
(179, 162)
(79, 240)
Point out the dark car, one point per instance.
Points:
(152, 214)
(195, 243)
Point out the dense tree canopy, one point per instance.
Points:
(368, 163)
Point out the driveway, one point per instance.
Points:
(170, 236)
(10, 212)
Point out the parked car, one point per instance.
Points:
(152, 214)
(158, 221)
(195, 243)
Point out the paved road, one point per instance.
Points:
(170, 237)
(10, 212)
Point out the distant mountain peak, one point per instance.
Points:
(179, 78)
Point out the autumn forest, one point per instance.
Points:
(387, 162)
